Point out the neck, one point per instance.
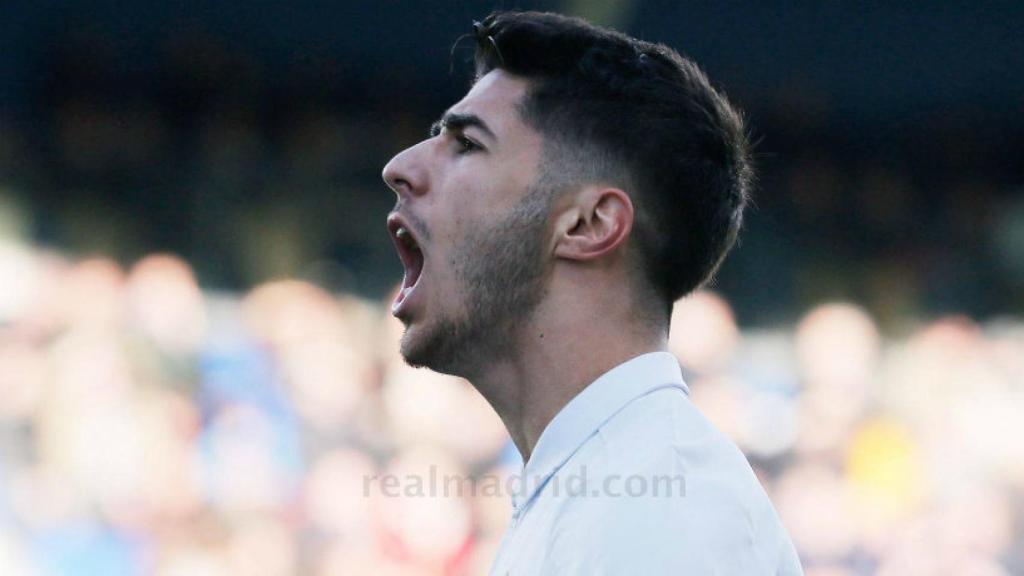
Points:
(555, 360)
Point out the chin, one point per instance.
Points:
(433, 347)
(416, 347)
(412, 351)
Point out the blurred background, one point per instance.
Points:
(197, 367)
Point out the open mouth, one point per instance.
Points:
(411, 255)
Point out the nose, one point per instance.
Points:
(405, 173)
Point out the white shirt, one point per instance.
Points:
(629, 478)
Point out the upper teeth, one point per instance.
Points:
(405, 237)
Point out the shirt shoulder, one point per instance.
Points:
(664, 431)
(667, 492)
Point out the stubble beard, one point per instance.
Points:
(500, 273)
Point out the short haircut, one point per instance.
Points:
(616, 110)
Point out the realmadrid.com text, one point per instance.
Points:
(577, 484)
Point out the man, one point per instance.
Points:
(585, 182)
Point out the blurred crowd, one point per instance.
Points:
(150, 427)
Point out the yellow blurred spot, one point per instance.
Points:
(883, 467)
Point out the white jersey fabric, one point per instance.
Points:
(629, 478)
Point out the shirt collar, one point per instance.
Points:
(591, 408)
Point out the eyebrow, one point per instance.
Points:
(458, 121)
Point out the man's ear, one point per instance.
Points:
(598, 221)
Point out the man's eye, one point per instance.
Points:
(465, 145)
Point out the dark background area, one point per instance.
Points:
(249, 138)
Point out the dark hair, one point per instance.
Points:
(637, 114)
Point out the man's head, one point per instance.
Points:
(620, 142)
(619, 110)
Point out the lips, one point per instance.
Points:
(411, 255)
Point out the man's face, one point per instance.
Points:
(470, 226)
